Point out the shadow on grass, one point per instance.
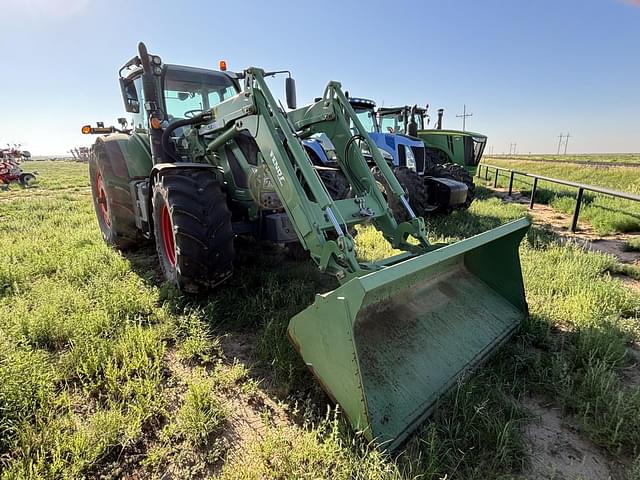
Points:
(268, 287)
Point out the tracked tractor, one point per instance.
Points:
(212, 155)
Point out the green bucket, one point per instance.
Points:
(386, 346)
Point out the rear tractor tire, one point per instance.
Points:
(112, 202)
(192, 227)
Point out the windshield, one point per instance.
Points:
(367, 118)
(389, 124)
(194, 90)
(395, 122)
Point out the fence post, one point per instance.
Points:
(495, 179)
(486, 173)
(576, 212)
(533, 192)
(511, 183)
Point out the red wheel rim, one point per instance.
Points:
(101, 197)
(166, 228)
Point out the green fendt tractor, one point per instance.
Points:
(212, 155)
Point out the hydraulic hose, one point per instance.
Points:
(166, 135)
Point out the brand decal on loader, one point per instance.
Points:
(274, 160)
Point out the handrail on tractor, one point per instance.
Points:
(580, 186)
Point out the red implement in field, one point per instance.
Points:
(10, 172)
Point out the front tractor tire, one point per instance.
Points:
(336, 184)
(415, 188)
(192, 227)
(112, 201)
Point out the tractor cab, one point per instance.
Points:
(189, 91)
(185, 91)
(442, 145)
(398, 149)
(397, 119)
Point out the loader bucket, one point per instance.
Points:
(387, 345)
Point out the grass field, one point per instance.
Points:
(606, 214)
(631, 158)
(107, 372)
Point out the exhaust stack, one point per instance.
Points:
(439, 123)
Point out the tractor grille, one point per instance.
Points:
(402, 156)
(419, 154)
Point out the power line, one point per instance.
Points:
(566, 142)
(464, 117)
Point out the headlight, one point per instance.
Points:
(331, 155)
(367, 153)
(411, 160)
(386, 155)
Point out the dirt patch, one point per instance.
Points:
(557, 451)
(631, 283)
(238, 347)
(586, 236)
(251, 416)
(251, 413)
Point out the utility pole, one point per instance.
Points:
(560, 142)
(566, 142)
(464, 117)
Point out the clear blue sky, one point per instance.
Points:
(528, 70)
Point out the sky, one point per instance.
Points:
(527, 70)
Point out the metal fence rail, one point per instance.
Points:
(580, 186)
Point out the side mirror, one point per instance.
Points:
(129, 95)
(290, 89)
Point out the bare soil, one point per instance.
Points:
(251, 414)
(558, 452)
(585, 236)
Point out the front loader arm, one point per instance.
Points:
(320, 222)
(332, 115)
(309, 207)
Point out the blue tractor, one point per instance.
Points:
(428, 191)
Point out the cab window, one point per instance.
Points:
(189, 92)
(388, 124)
(367, 118)
(140, 118)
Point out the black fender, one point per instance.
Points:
(112, 148)
(159, 168)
